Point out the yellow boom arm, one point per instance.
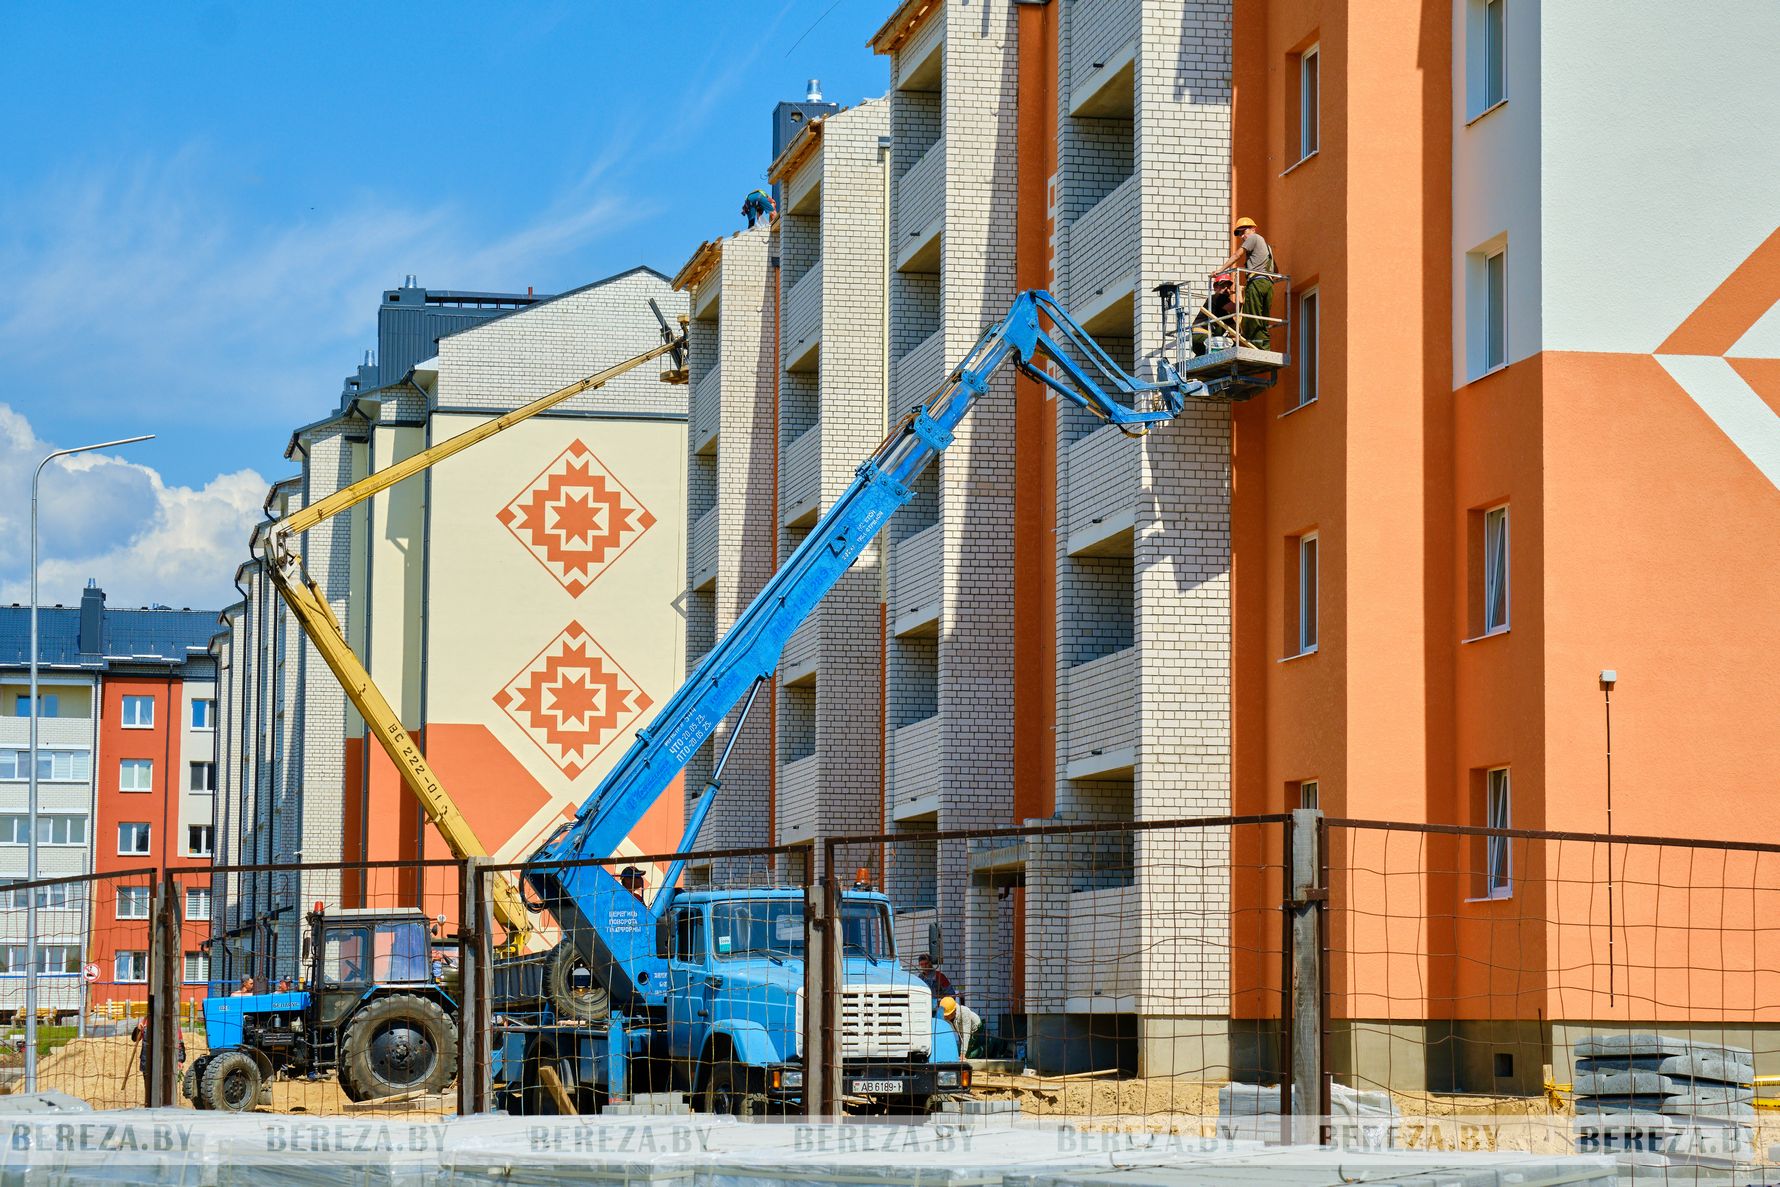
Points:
(312, 613)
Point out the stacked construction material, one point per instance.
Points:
(1358, 1120)
(1660, 1101)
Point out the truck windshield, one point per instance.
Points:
(774, 928)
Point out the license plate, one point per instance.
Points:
(877, 1086)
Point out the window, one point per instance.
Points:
(1308, 796)
(58, 896)
(136, 774)
(132, 902)
(132, 966)
(1497, 880)
(62, 766)
(132, 838)
(1309, 333)
(197, 904)
(52, 829)
(1495, 340)
(48, 704)
(203, 776)
(203, 714)
(689, 935)
(1486, 55)
(1495, 570)
(1309, 98)
(1301, 594)
(54, 960)
(139, 712)
(197, 968)
(197, 840)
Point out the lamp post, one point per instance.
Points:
(31, 777)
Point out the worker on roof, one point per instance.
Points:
(1255, 259)
(1217, 317)
(757, 205)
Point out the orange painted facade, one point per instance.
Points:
(158, 807)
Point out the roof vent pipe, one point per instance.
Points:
(814, 94)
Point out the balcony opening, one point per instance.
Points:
(797, 721)
(921, 511)
(701, 484)
(1100, 41)
(914, 679)
(800, 246)
(911, 879)
(1095, 601)
(799, 408)
(1100, 860)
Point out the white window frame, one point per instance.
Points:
(136, 701)
(209, 725)
(1486, 325)
(133, 895)
(197, 894)
(135, 766)
(48, 956)
(1497, 570)
(1310, 356)
(1486, 57)
(209, 838)
(191, 776)
(1309, 588)
(54, 765)
(138, 960)
(203, 962)
(58, 896)
(1495, 309)
(14, 829)
(1498, 854)
(49, 704)
(147, 838)
(1309, 794)
(1310, 101)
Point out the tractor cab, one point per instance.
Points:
(350, 951)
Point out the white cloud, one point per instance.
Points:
(114, 520)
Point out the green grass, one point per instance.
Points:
(48, 1037)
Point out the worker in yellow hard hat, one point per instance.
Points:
(964, 1020)
(1255, 258)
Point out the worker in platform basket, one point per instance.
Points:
(1255, 258)
(964, 1020)
(1216, 318)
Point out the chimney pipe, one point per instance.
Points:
(814, 94)
(91, 638)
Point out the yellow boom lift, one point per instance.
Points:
(285, 567)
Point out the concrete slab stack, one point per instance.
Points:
(1657, 1101)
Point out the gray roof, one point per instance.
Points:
(145, 636)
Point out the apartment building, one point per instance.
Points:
(126, 779)
(951, 629)
(572, 524)
(832, 238)
(731, 495)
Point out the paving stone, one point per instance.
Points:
(1601, 1046)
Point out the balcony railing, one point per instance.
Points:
(1103, 476)
(1099, 32)
(803, 315)
(914, 761)
(919, 372)
(800, 484)
(1102, 258)
(1102, 716)
(917, 580)
(1105, 942)
(703, 562)
(707, 409)
(799, 797)
(921, 199)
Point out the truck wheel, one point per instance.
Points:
(574, 993)
(726, 1092)
(398, 1044)
(231, 1082)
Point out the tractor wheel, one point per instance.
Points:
(400, 1043)
(190, 1085)
(574, 993)
(231, 1082)
(350, 1087)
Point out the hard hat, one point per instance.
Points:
(948, 1005)
(1243, 222)
(1223, 278)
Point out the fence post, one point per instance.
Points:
(1305, 909)
(161, 1027)
(821, 976)
(474, 1086)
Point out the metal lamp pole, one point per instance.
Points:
(31, 778)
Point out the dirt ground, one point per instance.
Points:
(104, 1073)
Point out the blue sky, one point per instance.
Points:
(201, 204)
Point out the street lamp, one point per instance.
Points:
(31, 778)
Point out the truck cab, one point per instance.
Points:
(735, 1001)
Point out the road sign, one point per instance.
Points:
(91, 973)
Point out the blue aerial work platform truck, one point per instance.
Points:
(701, 991)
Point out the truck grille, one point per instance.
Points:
(876, 1023)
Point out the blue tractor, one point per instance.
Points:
(378, 1010)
